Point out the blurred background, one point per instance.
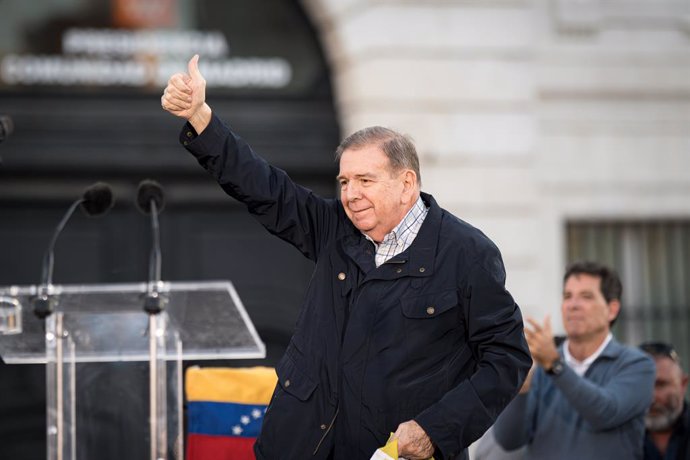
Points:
(561, 128)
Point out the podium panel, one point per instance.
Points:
(107, 322)
(112, 370)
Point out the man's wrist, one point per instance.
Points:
(556, 367)
(201, 118)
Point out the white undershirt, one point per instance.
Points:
(580, 367)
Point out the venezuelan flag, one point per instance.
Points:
(225, 408)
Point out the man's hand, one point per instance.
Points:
(185, 96)
(541, 344)
(413, 442)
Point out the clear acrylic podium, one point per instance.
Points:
(107, 324)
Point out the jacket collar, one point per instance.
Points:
(422, 253)
(611, 351)
(417, 260)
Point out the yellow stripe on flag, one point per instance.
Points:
(251, 385)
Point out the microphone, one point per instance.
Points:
(96, 200)
(6, 127)
(150, 200)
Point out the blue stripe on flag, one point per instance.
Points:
(225, 418)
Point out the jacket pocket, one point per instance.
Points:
(293, 380)
(429, 305)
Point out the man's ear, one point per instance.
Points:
(614, 309)
(409, 181)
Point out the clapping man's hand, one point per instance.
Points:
(540, 341)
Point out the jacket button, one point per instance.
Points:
(189, 134)
(341, 276)
(422, 269)
(287, 383)
(430, 310)
(323, 426)
(398, 270)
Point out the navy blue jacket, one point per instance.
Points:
(430, 335)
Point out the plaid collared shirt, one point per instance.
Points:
(402, 236)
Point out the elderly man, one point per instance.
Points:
(406, 325)
(587, 398)
(668, 420)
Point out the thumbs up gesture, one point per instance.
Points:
(185, 96)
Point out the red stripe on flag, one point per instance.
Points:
(206, 447)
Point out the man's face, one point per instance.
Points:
(669, 390)
(375, 198)
(586, 314)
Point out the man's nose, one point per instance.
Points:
(352, 192)
(570, 304)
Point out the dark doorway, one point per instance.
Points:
(70, 134)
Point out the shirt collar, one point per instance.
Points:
(580, 367)
(406, 225)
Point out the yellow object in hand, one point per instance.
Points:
(389, 451)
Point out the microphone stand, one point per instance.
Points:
(96, 200)
(44, 303)
(57, 376)
(153, 303)
(157, 325)
(60, 359)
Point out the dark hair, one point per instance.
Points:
(399, 148)
(610, 286)
(660, 349)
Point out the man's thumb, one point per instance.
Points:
(193, 67)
